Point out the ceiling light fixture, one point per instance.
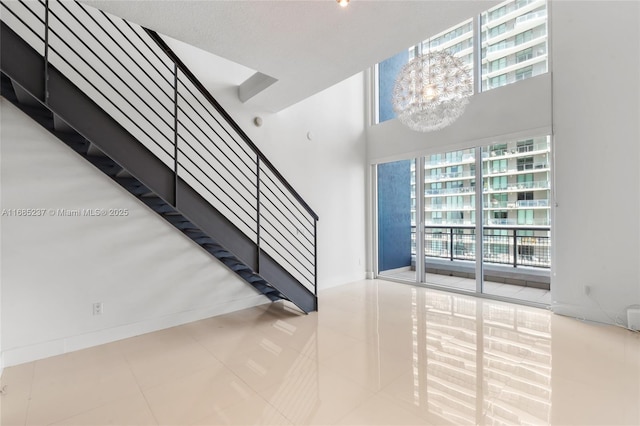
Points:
(343, 3)
(432, 91)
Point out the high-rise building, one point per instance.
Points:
(514, 42)
(513, 45)
(515, 203)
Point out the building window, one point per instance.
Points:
(496, 31)
(498, 183)
(456, 202)
(524, 37)
(523, 73)
(498, 81)
(499, 166)
(525, 163)
(522, 3)
(525, 146)
(524, 55)
(497, 13)
(514, 35)
(453, 157)
(498, 149)
(525, 181)
(500, 217)
(498, 64)
(523, 196)
(497, 46)
(454, 171)
(494, 57)
(454, 217)
(525, 217)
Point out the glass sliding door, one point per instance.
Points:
(449, 219)
(475, 220)
(396, 213)
(516, 227)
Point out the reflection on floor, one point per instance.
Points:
(518, 292)
(377, 353)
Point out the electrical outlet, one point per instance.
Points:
(97, 308)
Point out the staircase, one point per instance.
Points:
(120, 98)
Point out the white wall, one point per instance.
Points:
(596, 114)
(147, 274)
(1, 206)
(328, 171)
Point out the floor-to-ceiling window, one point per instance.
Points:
(449, 218)
(478, 219)
(516, 219)
(513, 46)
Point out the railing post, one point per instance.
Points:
(315, 260)
(258, 213)
(46, 52)
(451, 243)
(175, 135)
(515, 248)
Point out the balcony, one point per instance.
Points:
(541, 14)
(538, 166)
(466, 158)
(512, 14)
(465, 190)
(539, 185)
(520, 151)
(449, 208)
(503, 245)
(450, 176)
(520, 204)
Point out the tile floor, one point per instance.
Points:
(377, 353)
(527, 294)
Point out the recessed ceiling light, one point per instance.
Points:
(343, 3)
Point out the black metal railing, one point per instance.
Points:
(516, 246)
(133, 75)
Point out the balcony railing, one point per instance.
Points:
(504, 45)
(529, 16)
(516, 204)
(460, 158)
(470, 190)
(465, 190)
(537, 166)
(525, 149)
(450, 175)
(516, 246)
(520, 186)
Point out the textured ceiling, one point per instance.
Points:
(307, 46)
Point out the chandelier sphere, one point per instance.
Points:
(432, 91)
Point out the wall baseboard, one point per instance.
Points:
(21, 355)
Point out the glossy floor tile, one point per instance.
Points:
(377, 353)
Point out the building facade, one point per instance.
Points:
(516, 190)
